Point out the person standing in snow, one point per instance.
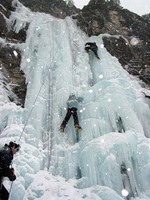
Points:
(91, 46)
(72, 107)
(6, 156)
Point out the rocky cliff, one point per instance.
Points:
(128, 37)
(132, 44)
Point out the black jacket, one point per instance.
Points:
(91, 45)
(6, 157)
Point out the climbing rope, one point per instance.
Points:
(50, 143)
(31, 109)
(40, 88)
(10, 189)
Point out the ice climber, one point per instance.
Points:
(91, 46)
(72, 107)
(126, 182)
(6, 156)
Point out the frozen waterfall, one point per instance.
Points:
(114, 116)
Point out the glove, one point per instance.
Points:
(12, 176)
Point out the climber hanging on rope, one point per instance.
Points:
(6, 156)
(72, 107)
(91, 46)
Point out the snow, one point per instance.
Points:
(135, 41)
(114, 115)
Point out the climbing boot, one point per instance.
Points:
(61, 129)
(78, 128)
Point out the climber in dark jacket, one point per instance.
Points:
(6, 156)
(91, 46)
(72, 107)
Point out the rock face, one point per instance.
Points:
(57, 8)
(131, 46)
(10, 57)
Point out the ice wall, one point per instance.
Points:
(114, 114)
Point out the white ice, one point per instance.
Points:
(114, 115)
